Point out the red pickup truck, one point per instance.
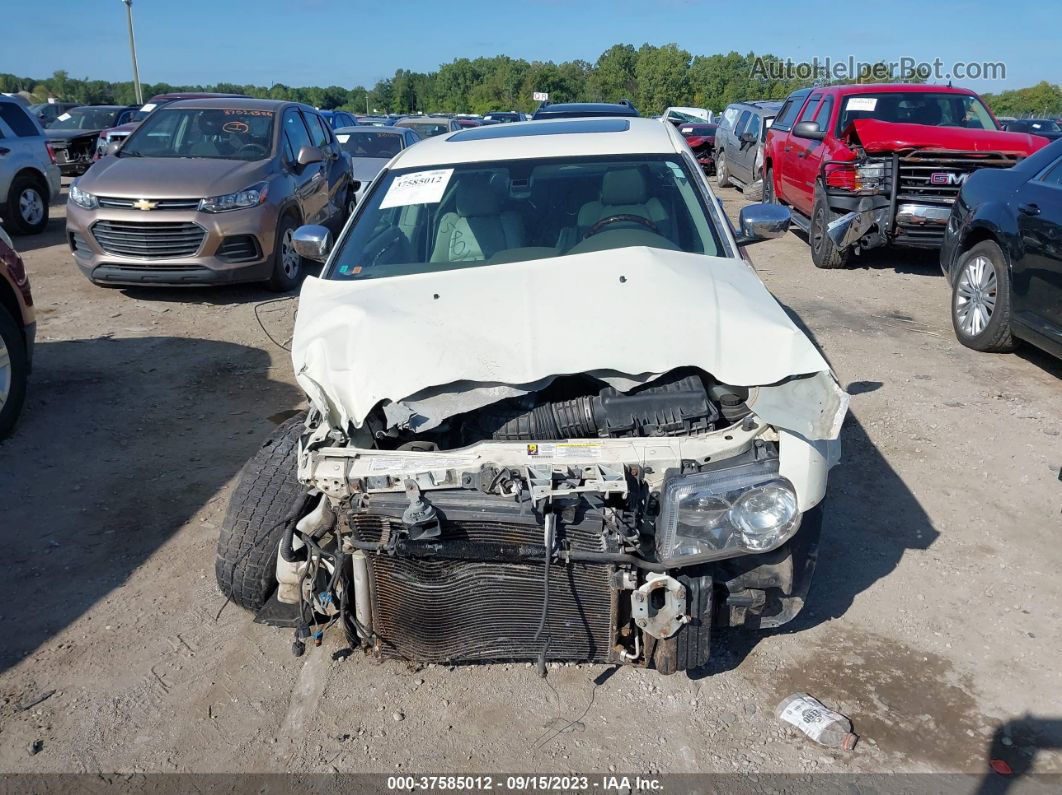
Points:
(863, 166)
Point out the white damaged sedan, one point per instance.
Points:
(554, 413)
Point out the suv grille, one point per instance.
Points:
(928, 177)
(160, 204)
(148, 240)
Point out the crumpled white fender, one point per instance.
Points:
(434, 344)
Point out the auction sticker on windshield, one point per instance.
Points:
(423, 187)
(861, 103)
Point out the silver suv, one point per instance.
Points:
(29, 177)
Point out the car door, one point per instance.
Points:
(1038, 274)
(337, 166)
(311, 185)
(802, 157)
(748, 146)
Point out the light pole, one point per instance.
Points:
(132, 49)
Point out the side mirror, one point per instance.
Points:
(312, 241)
(760, 222)
(309, 154)
(747, 138)
(111, 148)
(808, 129)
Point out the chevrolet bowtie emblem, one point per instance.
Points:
(144, 204)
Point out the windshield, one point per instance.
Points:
(936, 110)
(86, 119)
(678, 115)
(474, 214)
(203, 132)
(371, 144)
(426, 129)
(1044, 125)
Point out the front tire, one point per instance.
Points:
(722, 176)
(27, 205)
(980, 300)
(287, 264)
(14, 372)
(268, 500)
(823, 252)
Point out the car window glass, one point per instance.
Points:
(788, 112)
(371, 144)
(1053, 176)
(213, 133)
(483, 213)
(753, 127)
(742, 122)
(822, 116)
(318, 130)
(295, 131)
(810, 108)
(20, 123)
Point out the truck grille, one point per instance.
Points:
(464, 610)
(148, 240)
(929, 177)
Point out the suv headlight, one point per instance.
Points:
(82, 199)
(248, 197)
(744, 509)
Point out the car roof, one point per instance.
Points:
(191, 95)
(894, 88)
(594, 136)
(435, 119)
(235, 103)
(368, 128)
(617, 108)
(764, 104)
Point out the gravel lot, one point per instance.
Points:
(933, 621)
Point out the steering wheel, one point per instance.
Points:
(255, 150)
(619, 219)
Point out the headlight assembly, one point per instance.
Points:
(744, 509)
(248, 197)
(82, 199)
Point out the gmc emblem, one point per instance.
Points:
(947, 178)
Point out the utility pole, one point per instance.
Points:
(132, 49)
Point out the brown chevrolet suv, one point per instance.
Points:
(209, 191)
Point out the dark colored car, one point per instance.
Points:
(885, 162)
(47, 112)
(1003, 258)
(468, 123)
(579, 110)
(17, 328)
(701, 138)
(338, 118)
(739, 146)
(503, 116)
(74, 134)
(115, 135)
(1048, 128)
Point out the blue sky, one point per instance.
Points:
(323, 42)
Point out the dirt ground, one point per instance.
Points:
(933, 621)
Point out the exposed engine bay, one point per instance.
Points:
(530, 529)
(551, 489)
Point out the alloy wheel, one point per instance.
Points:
(975, 295)
(289, 258)
(31, 206)
(5, 373)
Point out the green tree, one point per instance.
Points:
(663, 77)
(613, 75)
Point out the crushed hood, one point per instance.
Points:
(450, 341)
(886, 136)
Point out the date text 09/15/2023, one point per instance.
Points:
(523, 783)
